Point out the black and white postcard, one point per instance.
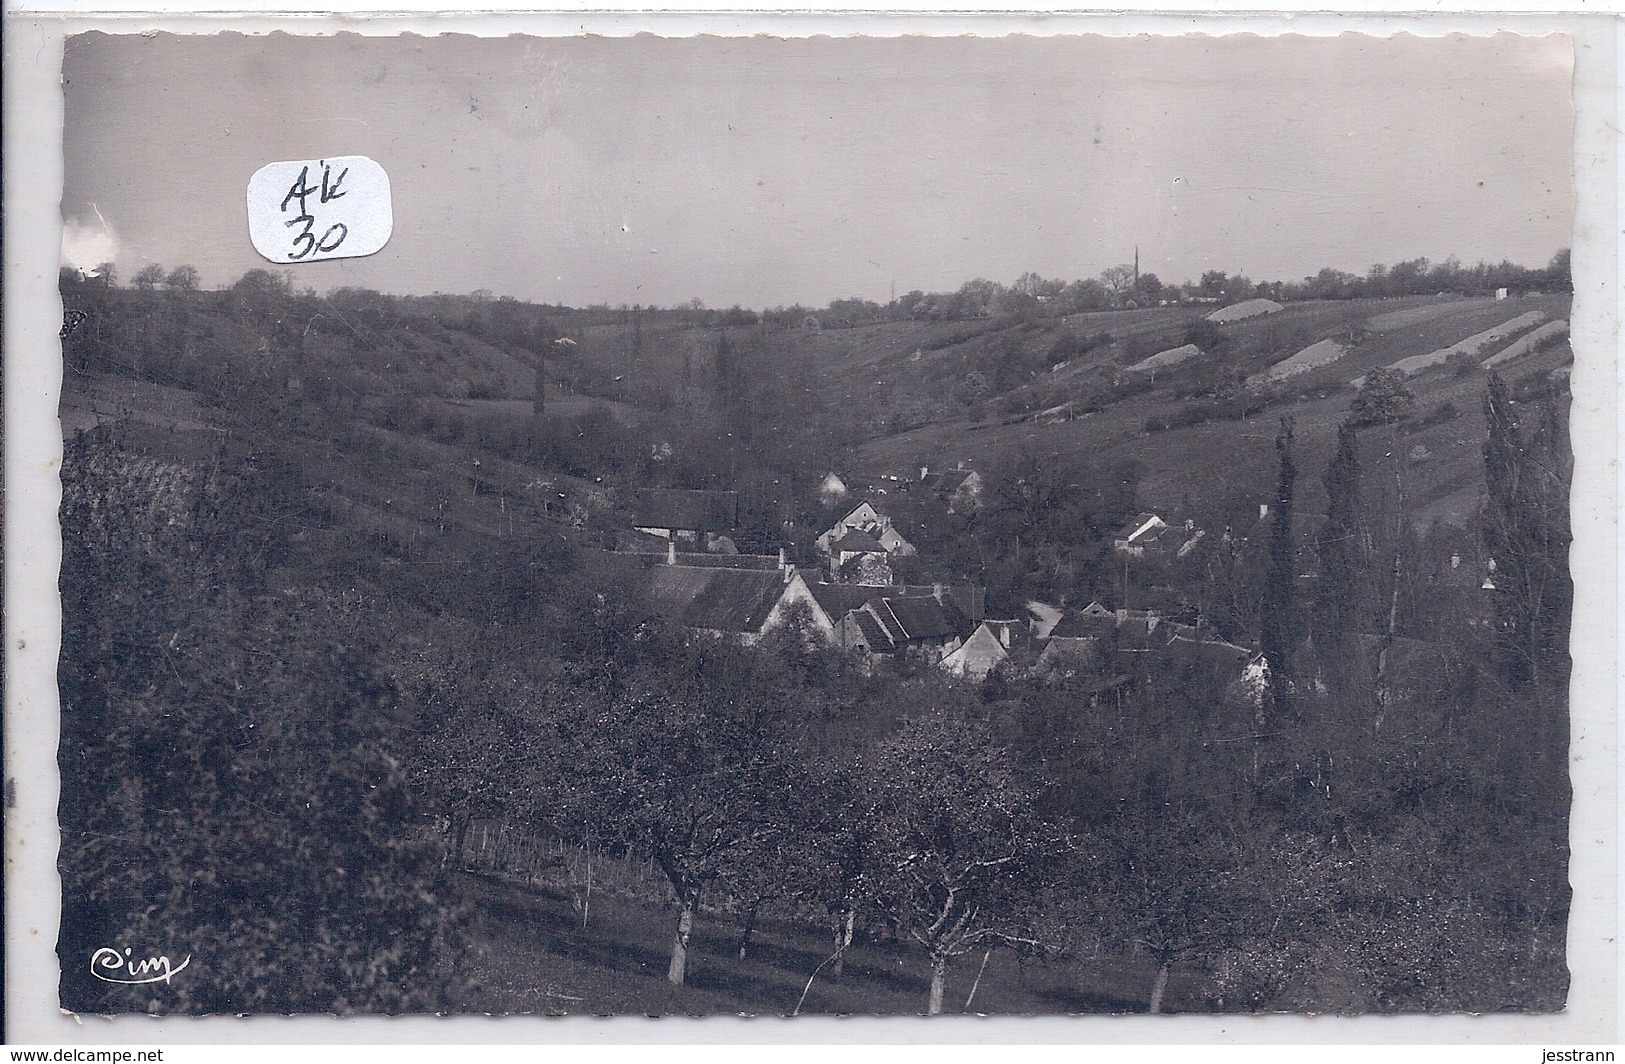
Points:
(999, 525)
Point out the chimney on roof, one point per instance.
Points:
(781, 558)
(1263, 510)
(1455, 561)
(961, 464)
(936, 592)
(924, 470)
(671, 552)
(1004, 635)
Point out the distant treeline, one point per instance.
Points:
(1119, 287)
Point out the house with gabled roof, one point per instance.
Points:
(926, 626)
(837, 600)
(923, 620)
(832, 489)
(1142, 531)
(742, 604)
(960, 488)
(865, 517)
(1042, 618)
(861, 631)
(856, 542)
(684, 514)
(987, 648)
(976, 656)
(1093, 621)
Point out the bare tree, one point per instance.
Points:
(149, 277)
(961, 862)
(182, 279)
(1119, 281)
(688, 777)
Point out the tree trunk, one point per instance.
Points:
(586, 897)
(970, 997)
(679, 945)
(843, 940)
(1159, 986)
(459, 841)
(750, 925)
(939, 976)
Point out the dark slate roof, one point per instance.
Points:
(858, 541)
(969, 600)
(837, 600)
(874, 635)
(682, 508)
(948, 482)
(926, 618)
(1084, 624)
(1467, 576)
(893, 627)
(725, 600)
(1074, 651)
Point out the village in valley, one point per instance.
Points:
(539, 639)
(589, 567)
(851, 598)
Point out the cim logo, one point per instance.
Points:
(111, 966)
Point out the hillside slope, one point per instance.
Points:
(1084, 409)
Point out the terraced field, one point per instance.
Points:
(1472, 347)
(1229, 458)
(1317, 354)
(1551, 332)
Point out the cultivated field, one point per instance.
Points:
(1223, 458)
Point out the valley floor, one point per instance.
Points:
(532, 956)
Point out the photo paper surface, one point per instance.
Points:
(1013, 526)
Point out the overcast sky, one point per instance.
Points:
(769, 171)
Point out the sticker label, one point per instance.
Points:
(314, 209)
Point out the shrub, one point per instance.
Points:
(1461, 363)
(1382, 399)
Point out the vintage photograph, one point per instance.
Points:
(874, 526)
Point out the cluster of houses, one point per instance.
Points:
(691, 573)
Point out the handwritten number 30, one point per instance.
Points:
(327, 243)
